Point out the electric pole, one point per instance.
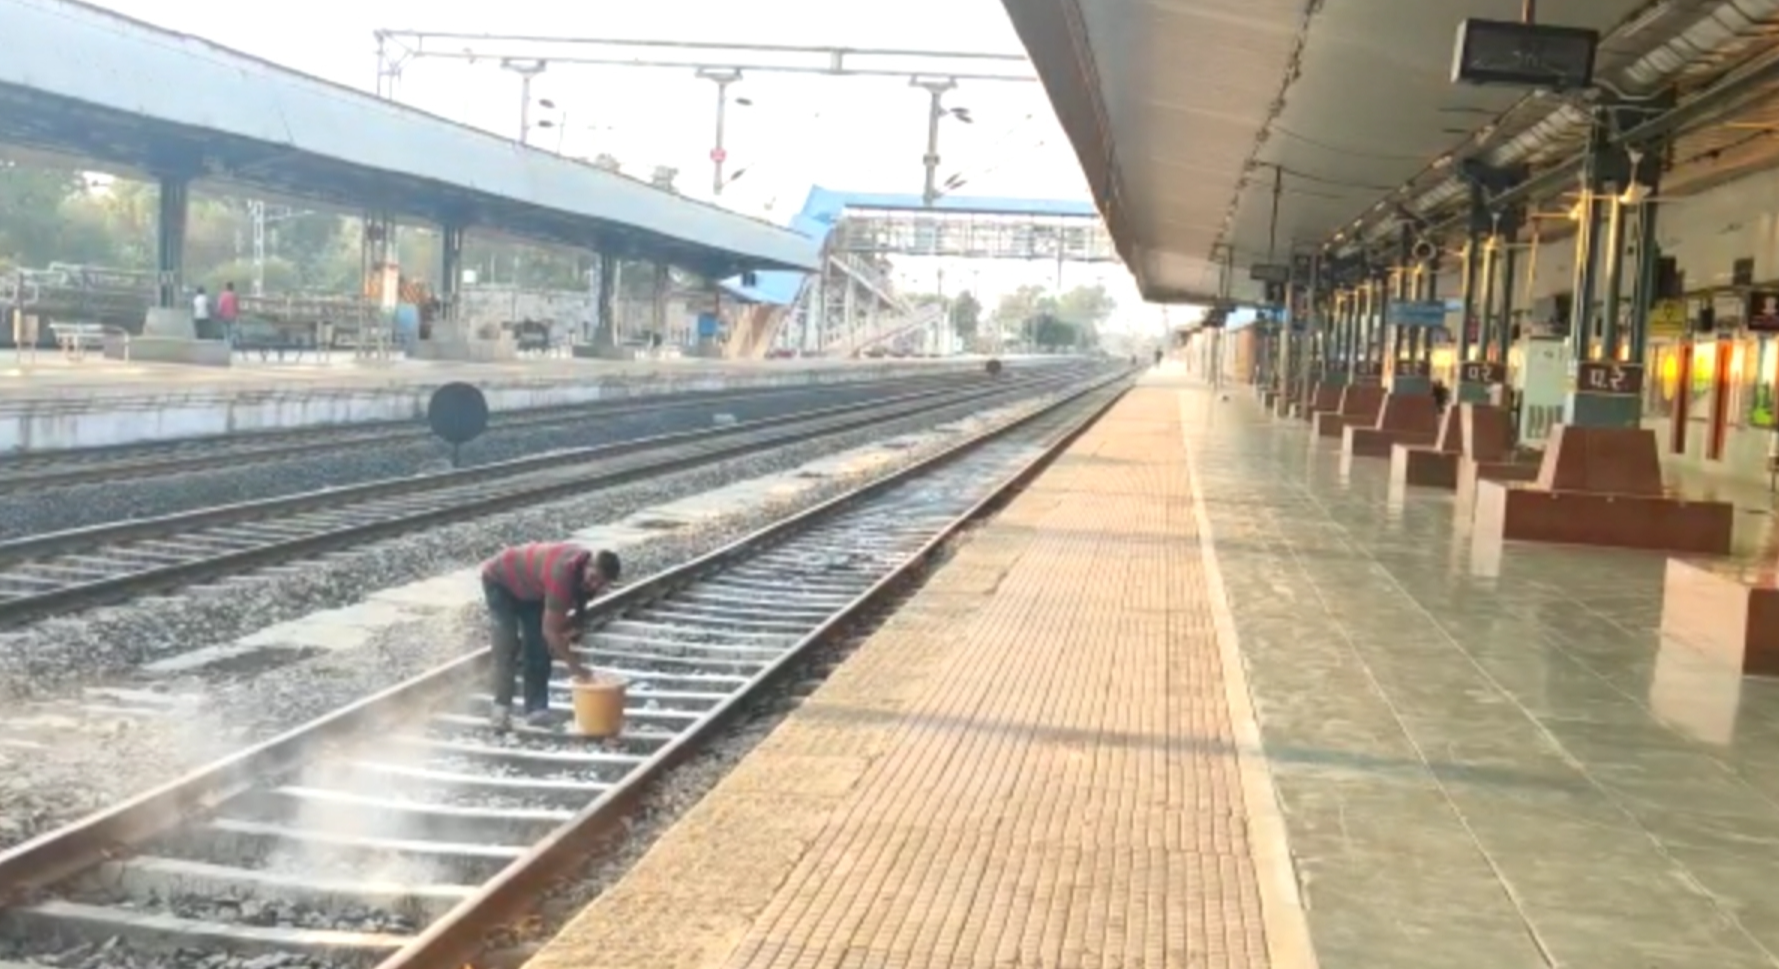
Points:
(526, 71)
(722, 77)
(936, 110)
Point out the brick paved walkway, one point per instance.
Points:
(1033, 764)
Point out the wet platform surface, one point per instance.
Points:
(1488, 758)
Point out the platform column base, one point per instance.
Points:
(1723, 613)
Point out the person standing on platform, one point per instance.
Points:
(532, 591)
(228, 310)
(200, 315)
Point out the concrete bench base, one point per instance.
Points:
(1328, 423)
(1414, 465)
(1516, 512)
(168, 349)
(1727, 612)
(1377, 442)
(1469, 472)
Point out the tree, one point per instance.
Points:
(966, 315)
(1085, 306)
(31, 200)
(1051, 332)
(1020, 306)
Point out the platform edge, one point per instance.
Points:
(1286, 923)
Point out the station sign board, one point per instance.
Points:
(1428, 313)
(1763, 311)
(1609, 378)
(1481, 372)
(1667, 318)
(1269, 273)
(1518, 54)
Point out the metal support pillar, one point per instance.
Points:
(451, 240)
(815, 315)
(658, 304)
(849, 312)
(1372, 352)
(1605, 394)
(173, 211)
(1346, 304)
(1315, 350)
(605, 323)
(1614, 256)
(1609, 377)
(1472, 387)
(1485, 323)
(1643, 286)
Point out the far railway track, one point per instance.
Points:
(401, 831)
(55, 572)
(131, 462)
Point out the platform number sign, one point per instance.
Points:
(1481, 372)
(1610, 378)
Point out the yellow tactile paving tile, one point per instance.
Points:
(1032, 764)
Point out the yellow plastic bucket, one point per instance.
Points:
(599, 705)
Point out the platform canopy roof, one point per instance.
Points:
(1184, 112)
(80, 81)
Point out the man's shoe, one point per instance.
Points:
(540, 720)
(501, 719)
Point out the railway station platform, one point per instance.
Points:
(51, 403)
(1038, 761)
(1199, 697)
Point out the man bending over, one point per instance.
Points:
(532, 591)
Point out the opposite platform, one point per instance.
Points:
(1046, 758)
(95, 403)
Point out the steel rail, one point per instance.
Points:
(89, 465)
(32, 868)
(676, 452)
(30, 546)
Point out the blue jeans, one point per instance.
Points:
(517, 629)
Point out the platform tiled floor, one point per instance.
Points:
(1488, 758)
(1030, 765)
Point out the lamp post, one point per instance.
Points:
(526, 71)
(722, 77)
(936, 112)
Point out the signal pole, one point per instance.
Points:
(935, 112)
(723, 77)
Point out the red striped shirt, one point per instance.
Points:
(546, 572)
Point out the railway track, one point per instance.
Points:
(134, 462)
(401, 830)
(54, 572)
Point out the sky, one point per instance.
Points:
(856, 134)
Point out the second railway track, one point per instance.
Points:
(51, 573)
(401, 830)
(133, 462)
